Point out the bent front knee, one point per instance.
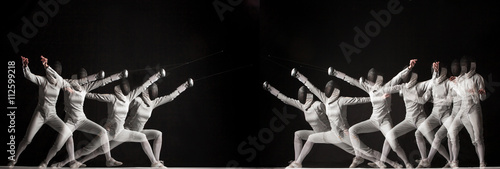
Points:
(418, 134)
(159, 134)
(353, 131)
(478, 141)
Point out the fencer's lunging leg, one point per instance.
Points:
(156, 136)
(64, 133)
(297, 142)
(476, 120)
(133, 136)
(35, 125)
(362, 127)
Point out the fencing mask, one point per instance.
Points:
(153, 91)
(455, 67)
(464, 64)
(125, 87)
(332, 89)
(442, 75)
(372, 75)
(302, 95)
(82, 73)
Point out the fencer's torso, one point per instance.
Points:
(312, 117)
(73, 102)
(337, 111)
(381, 107)
(312, 112)
(139, 114)
(142, 107)
(336, 106)
(73, 105)
(441, 99)
(467, 88)
(118, 105)
(117, 112)
(47, 92)
(414, 109)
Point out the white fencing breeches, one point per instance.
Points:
(367, 126)
(426, 131)
(37, 120)
(400, 129)
(150, 134)
(473, 122)
(91, 127)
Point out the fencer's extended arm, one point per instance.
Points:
(38, 80)
(399, 77)
(318, 93)
(283, 98)
(102, 82)
(354, 100)
(348, 79)
(168, 98)
(134, 93)
(101, 97)
(91, 78)
(392, 89)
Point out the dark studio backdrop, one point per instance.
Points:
(201, 127)
(310, 32)
(227, 119)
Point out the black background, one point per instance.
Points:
(205, 125)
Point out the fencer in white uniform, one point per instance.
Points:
(118, 106)
(76, 119)
(45, 111)
(442, 132)
(336, 110)
(470, 87)
(380, 120)
(139, 113)
(441, 109)
(314, 112)
(415, 95)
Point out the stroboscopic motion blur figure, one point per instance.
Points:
(336, 110)
(45, 111)
(140, 111)
(442, 132)
(380, 119)
(470, 87)
(118, 106)
(314, 112)
(76, 119)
